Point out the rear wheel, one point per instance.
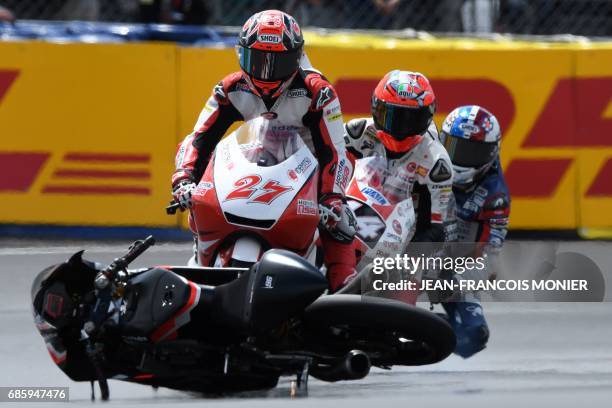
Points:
(391, 332)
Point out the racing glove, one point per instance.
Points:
(183, 193)
(330, 211)
(337, 218)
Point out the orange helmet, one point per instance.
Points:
(403, 105)
(269, 50)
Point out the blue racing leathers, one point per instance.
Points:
(481, 214)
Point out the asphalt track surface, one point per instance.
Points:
(539, 353)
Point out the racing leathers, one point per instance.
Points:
(480, 213)
(310, 102)
(424, 171)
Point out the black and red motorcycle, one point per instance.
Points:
(220, 330)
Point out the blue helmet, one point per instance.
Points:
(471, 136)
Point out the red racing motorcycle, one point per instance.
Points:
(386, 223)
(258, 192)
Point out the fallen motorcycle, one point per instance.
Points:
(210, 329)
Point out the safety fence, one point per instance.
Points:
(539, 17)
(103, 33)
(89, 131)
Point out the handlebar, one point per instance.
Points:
(105, 290)
(134, 252)
(171, 209)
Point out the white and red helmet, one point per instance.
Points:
(403, 105)
(270, 48)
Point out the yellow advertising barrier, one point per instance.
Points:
(593, 141)
(200, 69)
(96, 126)
(87, 133)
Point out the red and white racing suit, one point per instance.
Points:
(425, 172)
(309, 101)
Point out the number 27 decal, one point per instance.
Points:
(249, 186)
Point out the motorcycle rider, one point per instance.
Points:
(471, 135)
(272, 82)
(401, 129)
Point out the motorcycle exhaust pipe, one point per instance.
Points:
(358, 364)
(354, 366)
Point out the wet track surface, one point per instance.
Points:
(541, 353)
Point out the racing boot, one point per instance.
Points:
(470, 326)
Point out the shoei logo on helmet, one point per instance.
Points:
(469, 128)
(269, 38)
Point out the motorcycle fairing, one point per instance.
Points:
(158, 303)
(272, 188)
(385, 225)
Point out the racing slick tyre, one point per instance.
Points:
(390, 331)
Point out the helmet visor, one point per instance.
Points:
(269, 66)
(401, 121)
(468, 153)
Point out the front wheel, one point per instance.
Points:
(391, 332)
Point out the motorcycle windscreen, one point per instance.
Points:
(384, 187)
(268, 142)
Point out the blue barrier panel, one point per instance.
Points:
(224, 43)
(33, 29)
(99, 32)
(129, 32)
(182, 34)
